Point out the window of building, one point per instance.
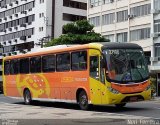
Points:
(14, 66)
(141, 10)
(95, 2)
(157, 49)
(24, 65)
(122, 37)
(156, 4)
(48, 63)
(41, 1)
(79, 60)
(71, 17)
(35, 64)
(140, 34)
(40, 29)
(108, 19)
(110, 37)
(6, 67)
(63, 62)
(122, 16)
(157, 26)
(95, 21)
(75, 4)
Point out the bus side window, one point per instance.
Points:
(35, 64)
(63, 62)
(7, 67)
(79, 61)
(102, 70)
(14, 66)
(24, 65)
(48, 63)
(94, 67)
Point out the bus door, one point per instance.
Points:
(96, 79)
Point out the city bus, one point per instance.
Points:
(89, 74)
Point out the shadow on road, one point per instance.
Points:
(107, 108)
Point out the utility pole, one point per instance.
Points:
(44, 40)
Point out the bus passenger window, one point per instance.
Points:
(79, 60)
(63, 62)
(35, 64)
(14, 67)
(94, 67)
(6, 67)
(24, 65)
(48, 63)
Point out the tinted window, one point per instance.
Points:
(48, 63)
(24, 65)
(79, 60)
(94, 69)
(14, 67)
(63, 62)
(35, 64)
(6, 67)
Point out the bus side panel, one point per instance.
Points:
(10, 86)
(70, 82)
(59, 85)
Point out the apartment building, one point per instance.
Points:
(26, 24)
(135, 21)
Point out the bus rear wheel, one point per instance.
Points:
(83, 100)
(27, 97)
(120, 105)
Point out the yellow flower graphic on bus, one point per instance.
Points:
(37, 84)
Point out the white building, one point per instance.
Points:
(25, 24)
(136, 21)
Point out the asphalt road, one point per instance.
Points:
(47, 113)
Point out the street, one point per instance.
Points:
(14, 111)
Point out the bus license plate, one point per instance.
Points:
(133, 99)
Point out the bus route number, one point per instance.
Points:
(114, 52)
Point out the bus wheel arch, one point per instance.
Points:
(27, 96)
(82, 99)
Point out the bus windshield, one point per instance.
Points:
(126, 65)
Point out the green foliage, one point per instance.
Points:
(153, 84)
(79, 32)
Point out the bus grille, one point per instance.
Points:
(133, 98)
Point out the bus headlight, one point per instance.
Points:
(148, 87)
(113, 90)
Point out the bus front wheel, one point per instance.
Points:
(83, 100)
(120, 105)
(27, 97)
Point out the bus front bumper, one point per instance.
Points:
(127, 98)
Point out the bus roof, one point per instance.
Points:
(113, 45)
(66, 48)
(53, 49)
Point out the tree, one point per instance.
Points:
(79, 32)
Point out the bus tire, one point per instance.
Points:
(120, 105)
(27, 97)
(83, 100)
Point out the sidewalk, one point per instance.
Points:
(156, 99)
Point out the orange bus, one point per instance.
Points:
(95, 73)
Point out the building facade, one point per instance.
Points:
(135, 21)
(26, 24)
